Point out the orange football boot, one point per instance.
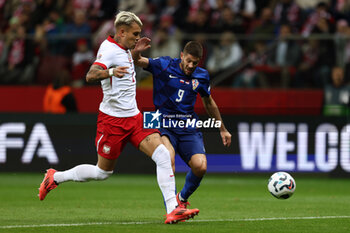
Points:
(48, 184)
(183, 204)
(180, 214)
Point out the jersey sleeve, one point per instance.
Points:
(157, 65)
(104, 58)
(204, 87)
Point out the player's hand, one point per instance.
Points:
(226, 138)
(120, 71)
(142, 44)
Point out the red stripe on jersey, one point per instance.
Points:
(110, 39)
(100, 64)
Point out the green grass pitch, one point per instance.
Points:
(133, 203)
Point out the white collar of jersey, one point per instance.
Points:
(110, 39)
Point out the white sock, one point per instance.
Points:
(165, 176)
(82, 173)
(181, 199)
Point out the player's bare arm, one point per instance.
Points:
(142, 44)
(213, 111)
(97, 73)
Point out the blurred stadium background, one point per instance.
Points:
(280, 74)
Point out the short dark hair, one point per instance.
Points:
(194, 48)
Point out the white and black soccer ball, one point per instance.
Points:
(281, 185)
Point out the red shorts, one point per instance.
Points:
(114, 132)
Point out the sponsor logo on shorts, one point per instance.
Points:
(106, 149)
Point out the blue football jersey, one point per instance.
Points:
(173, 91)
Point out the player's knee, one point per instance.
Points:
(102, 174)
(172, 158)
(161, 156)
(201, 170)
(172, 162)
(173, 165)
(199, 167)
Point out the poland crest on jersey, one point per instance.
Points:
(194, 84)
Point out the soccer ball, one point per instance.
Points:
(281, 185)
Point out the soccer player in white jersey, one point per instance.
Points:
(119, 120)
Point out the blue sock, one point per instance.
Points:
(191, 184)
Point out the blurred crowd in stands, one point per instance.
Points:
(247, 43)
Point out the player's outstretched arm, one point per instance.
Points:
(97, 73)
(213, 111)
(142, 44)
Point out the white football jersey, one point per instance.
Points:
(119, 94)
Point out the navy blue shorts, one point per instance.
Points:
(186, 144)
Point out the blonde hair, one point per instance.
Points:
(126, 18)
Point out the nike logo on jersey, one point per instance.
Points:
(172, 76)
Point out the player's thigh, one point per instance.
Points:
(146, 140)
(150, 143)
(106, 164)
(190, 145)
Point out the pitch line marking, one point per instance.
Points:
(155, 222)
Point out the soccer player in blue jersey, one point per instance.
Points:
(176, 83)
